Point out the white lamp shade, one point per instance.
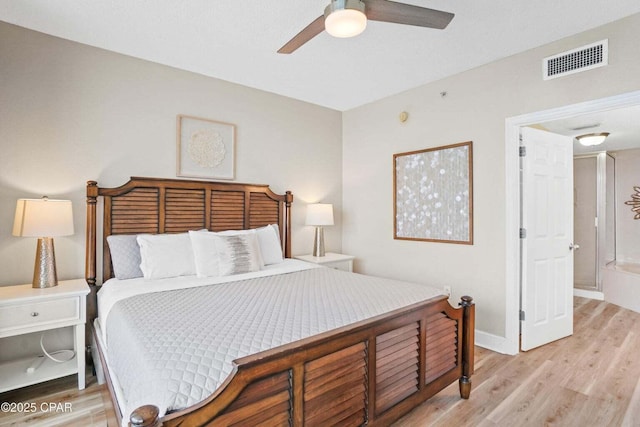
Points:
(319, 214)
(345, 23)
(43, 218)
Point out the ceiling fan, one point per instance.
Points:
(348, 18)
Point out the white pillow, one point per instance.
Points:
(238, 253)
(205, 253)
(166, 255)
(268, 239)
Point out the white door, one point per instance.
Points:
(547, 247)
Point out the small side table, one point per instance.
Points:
(24, 310)
(331, 260)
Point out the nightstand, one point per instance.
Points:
(24, 310)
(331, 260)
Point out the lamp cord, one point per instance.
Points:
(50, 355)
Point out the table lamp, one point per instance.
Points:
(45, 219)
(319, 215)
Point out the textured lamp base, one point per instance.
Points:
(44, 272)
(318, 243)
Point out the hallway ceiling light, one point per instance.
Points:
(590, 139)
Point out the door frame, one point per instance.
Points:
(512, 197)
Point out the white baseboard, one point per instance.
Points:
(584, 293)
(496, 343)
(504, 346)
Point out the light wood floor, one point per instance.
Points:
(589, 379)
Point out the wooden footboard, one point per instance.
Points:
(370, 373)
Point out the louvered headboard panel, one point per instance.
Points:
(153, 205)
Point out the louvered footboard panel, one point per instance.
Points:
(335, 388)
(397, 366)
(265, 402)
(441, 346)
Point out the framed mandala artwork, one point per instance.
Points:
(433, 194)
(205, 148)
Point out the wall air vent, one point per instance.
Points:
(576, 60)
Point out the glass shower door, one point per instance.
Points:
(585, 197)
(594, 218)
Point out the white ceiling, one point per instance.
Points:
(237, 40)
(623, 125)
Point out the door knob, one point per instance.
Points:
(573, 247)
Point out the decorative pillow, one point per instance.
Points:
(268, 239)
(166, 255)
(238, 253)
(125, 256)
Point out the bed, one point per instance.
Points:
(370, 368)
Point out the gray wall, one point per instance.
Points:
(627, 228)
(474, 109)
(71, 113)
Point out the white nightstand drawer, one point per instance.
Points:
(339, 265)
(39, 313)
(331, 260)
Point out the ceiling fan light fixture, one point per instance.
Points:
(591, 139)
(345, 18)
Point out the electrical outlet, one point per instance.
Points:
(447, 290)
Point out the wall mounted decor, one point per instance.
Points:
(205, 148)
(433, 194)
(635, 202)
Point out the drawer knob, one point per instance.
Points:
(35, 314)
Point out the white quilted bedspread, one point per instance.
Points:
(173, 348)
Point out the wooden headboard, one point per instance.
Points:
(156, 205)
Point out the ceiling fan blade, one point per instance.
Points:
(400, 13)
(309, 32)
